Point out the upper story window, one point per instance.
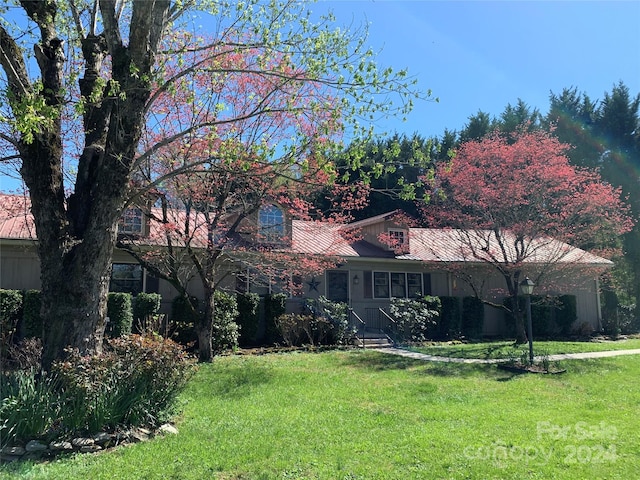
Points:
(398, 239)
(271, 224)
(131, 222)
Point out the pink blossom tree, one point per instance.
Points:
(515, 205)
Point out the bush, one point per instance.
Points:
(184, 314)
(296, 329)
(449, 321)
(472, 317)
(274, 306)
(416, 319)
(337, 314)
(10, 312)
(135, 382)
(248, 317)
(145, 306)
(119, 313)
(32, 323)
(225, 331)
(567, 313)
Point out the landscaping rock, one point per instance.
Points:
(90, 448)
(60, 446)
(140, 434)
(168, 428)
(13, 451)
(82, 442)
(103, 438)
(35, 446)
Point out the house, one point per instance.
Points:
(376, 259)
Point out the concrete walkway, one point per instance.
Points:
(553, 358)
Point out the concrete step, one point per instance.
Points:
(374, 342)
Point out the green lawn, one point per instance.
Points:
(503, 349)
(368, 415)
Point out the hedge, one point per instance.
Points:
(32, 323)
(248, 318)
(120, 314)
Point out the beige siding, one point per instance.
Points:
(19, 268)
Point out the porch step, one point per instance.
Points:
(374, 341)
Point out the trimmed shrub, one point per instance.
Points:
(32, 323)
(449, 324)
(120, 314)
(416, 319)
(11, 302)
(472, 317)
(542, 313)
(248, 317)
(274, 306)
(225, 330)
(145, 306)
(296, 329)
(566, 313)
(184, 314)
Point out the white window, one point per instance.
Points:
(131, 222)
(270, 224)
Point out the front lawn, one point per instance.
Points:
(369, 415)
(504, 348)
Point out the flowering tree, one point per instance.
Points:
(517, 205)
(73, 119)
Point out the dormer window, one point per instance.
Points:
(271, 226)
(131, 222)
(398, 239)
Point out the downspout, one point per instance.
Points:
(598, 305)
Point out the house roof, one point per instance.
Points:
(321, 238)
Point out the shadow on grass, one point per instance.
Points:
(384, 361)
(236, 381)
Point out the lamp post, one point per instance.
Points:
(526, 287)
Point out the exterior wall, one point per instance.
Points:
(19, 267)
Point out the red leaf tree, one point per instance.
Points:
(516, 204)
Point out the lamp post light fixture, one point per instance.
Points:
(526, 287)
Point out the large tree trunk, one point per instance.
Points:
(76, 236)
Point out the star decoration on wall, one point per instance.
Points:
(313, 284)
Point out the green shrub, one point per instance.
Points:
(337, 314)
(416, 319)
(10, 311)
(248, 317)
(472, 317)
(120, 314)
(134, 382)
(449, 325)
(297, 329)
(274, 306)
(567, 313)
(542, 313)
(225, 331)
(145, 306)
(32, 323)
(184, 314)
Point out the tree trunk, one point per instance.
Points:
(518, 317)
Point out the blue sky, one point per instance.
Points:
(481, 55)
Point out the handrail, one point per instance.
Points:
(364, 325)
(394, 325)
